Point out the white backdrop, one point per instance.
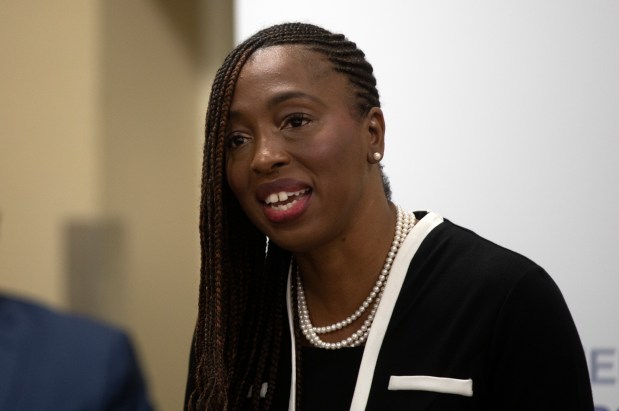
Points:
(502, 116)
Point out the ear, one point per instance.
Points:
(374, 124)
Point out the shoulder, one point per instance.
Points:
(57, 354)
(34, 319)
(454, 262)
(469, 252)
(464, 240)
(467, 268)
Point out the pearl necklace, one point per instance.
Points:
(405, 222)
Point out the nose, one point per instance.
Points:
(269, 154)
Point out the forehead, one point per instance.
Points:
(287, 59)
(287, 70)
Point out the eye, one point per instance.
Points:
(235, 140)
(296, 120)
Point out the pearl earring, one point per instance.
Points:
(377, 156)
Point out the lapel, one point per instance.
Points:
(385, 309)
(381, 320)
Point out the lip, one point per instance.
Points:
(295, 205)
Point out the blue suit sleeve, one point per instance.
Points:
(126, 389)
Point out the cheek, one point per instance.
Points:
(340, 149)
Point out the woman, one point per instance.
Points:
(317, 292)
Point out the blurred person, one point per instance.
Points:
(56, 361)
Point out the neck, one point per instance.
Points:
(338, 277)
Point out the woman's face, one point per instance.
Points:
(297, 151)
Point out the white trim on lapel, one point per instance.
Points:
(398, 272)
(292, 399)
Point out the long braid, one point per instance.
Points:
(241, 318)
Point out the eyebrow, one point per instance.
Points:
(280, 98)
(288, 95)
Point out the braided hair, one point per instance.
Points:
(242, 310)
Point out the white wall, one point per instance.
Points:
(503, 117)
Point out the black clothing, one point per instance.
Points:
(464, 324)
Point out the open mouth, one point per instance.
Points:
(284, 200)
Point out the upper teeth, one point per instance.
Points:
(282, 196)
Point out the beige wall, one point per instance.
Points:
(49, 170)
(101, 122)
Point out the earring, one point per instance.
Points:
(377, 156)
